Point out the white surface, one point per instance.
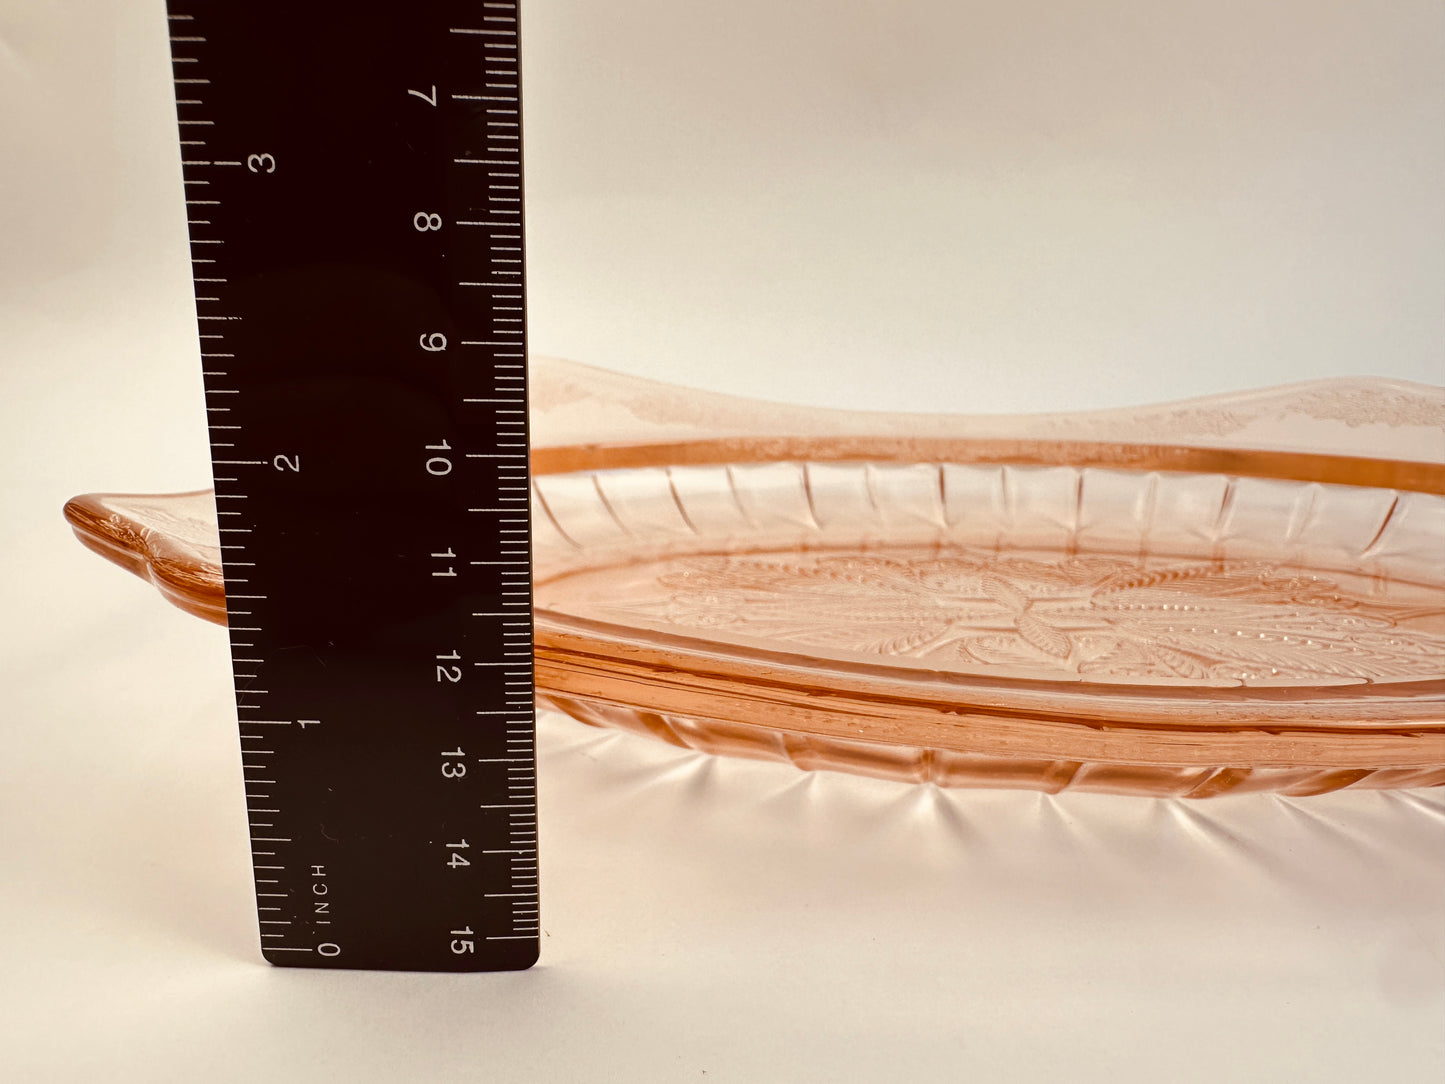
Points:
(853, 204)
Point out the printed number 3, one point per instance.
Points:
(261, 163)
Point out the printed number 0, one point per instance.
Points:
(424, 221)
(261, 163)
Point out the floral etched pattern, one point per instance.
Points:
(1103, 616)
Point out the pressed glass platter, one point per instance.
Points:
(1240, 593)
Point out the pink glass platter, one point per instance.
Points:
(1057, 601)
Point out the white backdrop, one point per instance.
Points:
(973, 206)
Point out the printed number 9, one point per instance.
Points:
(433, 342)
(261, 163)
(425, 221)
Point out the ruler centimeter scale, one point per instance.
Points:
(354, 192)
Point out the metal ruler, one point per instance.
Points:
(354, 191)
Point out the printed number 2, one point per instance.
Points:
(287, 462)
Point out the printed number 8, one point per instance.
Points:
(424, 221)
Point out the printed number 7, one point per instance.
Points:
(429, 101)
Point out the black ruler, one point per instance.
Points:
(354, 190)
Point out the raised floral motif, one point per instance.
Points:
(1087, 615)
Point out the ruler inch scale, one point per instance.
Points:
(353, 183)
